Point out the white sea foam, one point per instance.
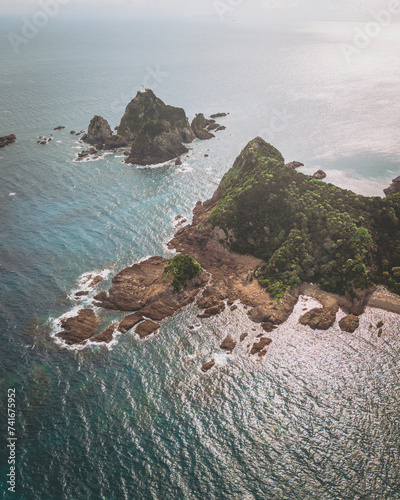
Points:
(12, 194)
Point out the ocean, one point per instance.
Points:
(318, 417)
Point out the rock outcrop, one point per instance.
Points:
(145, 288)
(295, 164)
(6, 140)
(319, 174)
(394, 187)
(79, 328)
(228, 344)
(145, 107)
(207, 366)
(155, 144)
(199, 127)
(349, 323)
(319, 318)
(99, 131)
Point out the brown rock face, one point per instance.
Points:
(98, 132)
(320, 174)
(394, 187)
(259, 346)
(79, 328)
(199, 127)
(228, 344)
(106, 335)
(7, 140)
(319, 318)
(129, 322)
(146, 328)
(144, 288)
(349, 323)
(207, 366)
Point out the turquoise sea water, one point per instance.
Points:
(318, 418)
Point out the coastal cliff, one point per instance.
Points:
(267, 232)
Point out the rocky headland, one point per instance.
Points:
(265, 235)
(153, 131)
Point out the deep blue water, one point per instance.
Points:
(319, 416)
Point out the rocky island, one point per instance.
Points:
(267, 235)
(6, 140)
(154, 132)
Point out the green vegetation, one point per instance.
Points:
(183, 268)
(306, 230)
(146, 106)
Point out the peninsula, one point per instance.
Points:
(268, 234)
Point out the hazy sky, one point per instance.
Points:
(260, 9)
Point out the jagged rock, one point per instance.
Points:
(234, 307)
(80, 327)
(259, 346)
(115, 142)
(394, 187)
(98, 132)
(6, 140)
(243, 336)
(88, 152)
(146, 328)
(81, 294)
(220, 128)
(199, 127)
(211, 301)
(228, 344)
(320, 174)
(146, 107)
(58, 128)
(319, 318)
(349, 323)
(73, 132)
(144, 288)
(380, 324)
(295, 164)
(207, 366)
(129, 322)
(178, 161)
(268, 327)
(218, 115)
(106, 335)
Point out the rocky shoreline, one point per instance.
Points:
(225, 278)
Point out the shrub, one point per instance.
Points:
(183, 268)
